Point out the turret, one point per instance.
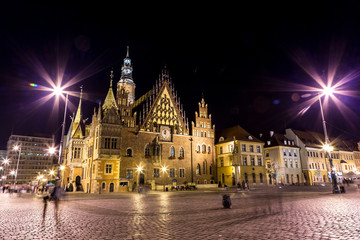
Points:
(126, 81)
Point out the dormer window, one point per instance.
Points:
(268, 143)
(285, 142)
(221, 139)
(250, 138)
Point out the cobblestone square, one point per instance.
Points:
(287, 213)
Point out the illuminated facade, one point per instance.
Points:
(140, 142)
(282, 159)
(239, 157)
(34, 158)
(315, 161)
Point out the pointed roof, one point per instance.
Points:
(272, 139)
(239, 133)
(77, 124)
(78, 115)
(110, 101)
(160, 106)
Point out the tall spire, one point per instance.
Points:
(110, 99)
(78, 115)
(111, 77)
(126, 80)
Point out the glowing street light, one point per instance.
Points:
(328, 91)
(59, 91)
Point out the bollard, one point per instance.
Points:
(226, 201)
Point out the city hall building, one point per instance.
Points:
(146, 141)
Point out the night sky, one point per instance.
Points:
(238, 57)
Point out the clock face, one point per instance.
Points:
(165, 133)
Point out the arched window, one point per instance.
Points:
(210, 170)
(129, 152)
(198, 170)
(181, 152)
(172, 151)
(261, 177)
(198, 148)
(203, 148)
(156, 150)
(254, 177)
(204, 167)
(209, 149)
(103, 185)
(147, 150)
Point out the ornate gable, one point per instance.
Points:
(164, 111)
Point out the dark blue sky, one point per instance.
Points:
(237, 56)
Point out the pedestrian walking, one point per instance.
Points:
(243, 184)
(247, 185)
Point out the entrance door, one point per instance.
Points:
(78, 183)
(141, 178)
(111, 187)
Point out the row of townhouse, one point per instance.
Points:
(296, 157)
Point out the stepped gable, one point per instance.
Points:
(160, 106)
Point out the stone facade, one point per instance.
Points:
(145, 142)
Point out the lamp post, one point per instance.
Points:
(163, 169)
(191, 152)
(62, 138)
(327, 146)
(16, 148)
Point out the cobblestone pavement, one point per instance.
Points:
(255, 214)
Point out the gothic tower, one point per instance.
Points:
(126, 81)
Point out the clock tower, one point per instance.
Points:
(126, 81)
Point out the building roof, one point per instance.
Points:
(316, 140)
(238, 132)
(272, 139)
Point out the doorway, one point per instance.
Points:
(111, 187)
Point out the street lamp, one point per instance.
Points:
(16, 148)
(163, 169)
(327, 147)
(58, 91)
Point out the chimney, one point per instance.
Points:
(271, 133)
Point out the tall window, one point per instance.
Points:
(251, 148)
(244, 161)
(243, 147)
(210, 170)
(261, 177)
(204, 167)
(296, 164)
(76, 152)
(156, 172)
(198, 169)
(113, 143)
(172, 172)
(147, 150)
(285, 162)
(221, 162)
(221, 150)
(252, 161)
(291, 163)
(129, 173)
(209, 149)
(107, 143)
(254, 178)
(259, 162)
(181, 152)
(203, 148)
(172, 151)
(156, 150)
(198, 148)
(181, 172)
(258, 148)
(108, 168)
